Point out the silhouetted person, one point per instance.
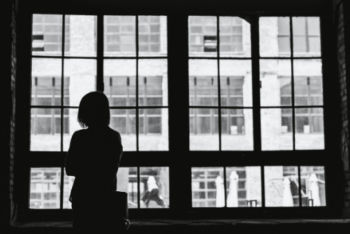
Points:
(152, 193)
(93, 158)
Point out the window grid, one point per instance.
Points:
(262, 171)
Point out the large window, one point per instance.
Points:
(227, 112)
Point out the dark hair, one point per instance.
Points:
(94, 110)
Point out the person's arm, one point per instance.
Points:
(72, 157)
(116, 161)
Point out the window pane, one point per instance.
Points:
(46, 82)
(243, 186)
(154, 187)
(307, 40)
(309, 128)
(308, 82)
(127, 182)
(124, 121)
(203, 82)
(208, 187)
(70, 125)
(234, 37)
(45, 131)
(202, 33)
(204, 125)
(45, 188)
(281, 186)
(119, 35)
(82, 79)
(153, 82)
(313, 186)
(236, 82)
(67, 187)
(81, 35)
(47, 35)
(120, 82)
(153, 129)
(275, 82)
(276, 129)
(274, 36)
(153, 35)
(237, 129)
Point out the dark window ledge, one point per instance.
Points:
(208, 226)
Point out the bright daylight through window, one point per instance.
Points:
(220, 83)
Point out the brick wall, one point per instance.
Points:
(344, 103)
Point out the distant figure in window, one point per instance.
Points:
(152, 193)
(93, 158)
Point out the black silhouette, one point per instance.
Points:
(93, 158)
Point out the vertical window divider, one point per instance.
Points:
(262, 170)
(292, 74)
(299, 187)
(137, 83)
(219, 89)
(225, 187)
(138, 188)
(62, 109)
(255, 57)
(99, 53)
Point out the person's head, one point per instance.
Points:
(94, 110)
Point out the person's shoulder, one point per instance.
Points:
(79, 133)
(114, 132)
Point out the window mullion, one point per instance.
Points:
(100, 29)
(179, 161)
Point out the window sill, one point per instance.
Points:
(179, 226)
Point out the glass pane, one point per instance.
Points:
(124, 121)
(313, 186)
(235, 82)
(120, 82)
(153, 82)
(276, 129)
(202, 35)
(153, 35)
(275, 78)
(45, 189)
(67, 187)
(308, 86)
(203, 82)
(234, 37)
(46, 82)
(309, 128)
(243, 186)
(47, 35)
(281, 186)
(119, 35)
(80, 35)
(274, 36)
(45, 131)
(237, 129)
(82, 79)
(70, 125)
(127, 182)
(154, 187)
(153, 129)
(306, 36)
(204, 129)
(208, 187)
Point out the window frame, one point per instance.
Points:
(178, 138)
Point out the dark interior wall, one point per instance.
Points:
(7, 116)
(8, 84)
(343, 49)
